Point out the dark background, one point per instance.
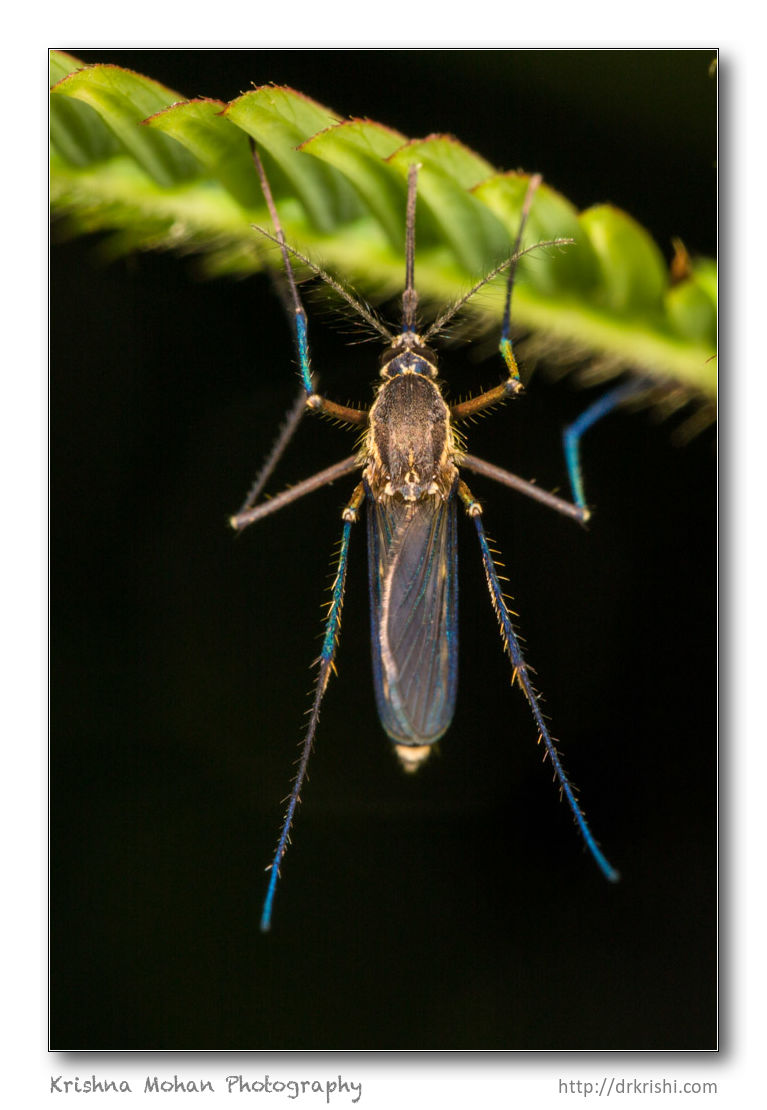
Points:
(456, 908)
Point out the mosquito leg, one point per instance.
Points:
(313, 399)
(513, 384)
(521, 673)
(464, 410)
(286, 433)
(572, 434)
(326, 666)
(322, 478)
(529, 489)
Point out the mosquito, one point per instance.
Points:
(411, 460)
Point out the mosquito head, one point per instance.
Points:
(408, 354)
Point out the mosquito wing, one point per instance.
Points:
(412, 566)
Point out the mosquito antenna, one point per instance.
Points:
(446, 316)
(279, 238)
(410, 296)
(359, 307)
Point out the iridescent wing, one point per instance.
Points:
(413, 576)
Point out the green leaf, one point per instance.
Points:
(123, 100)
(449, 171)
(552, 217)
(632, 273)
(279, 120)
(360, 149)
(690, 306)
(78, 133)
(131, 158)
(222, 149)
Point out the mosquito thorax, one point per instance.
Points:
(409, 445)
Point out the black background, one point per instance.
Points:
(455, 908)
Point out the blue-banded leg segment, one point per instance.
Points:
(325, 667)
(573, 433)
(521, 674)
(301, 337)
(302, 342)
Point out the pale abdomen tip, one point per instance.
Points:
(411, 756)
